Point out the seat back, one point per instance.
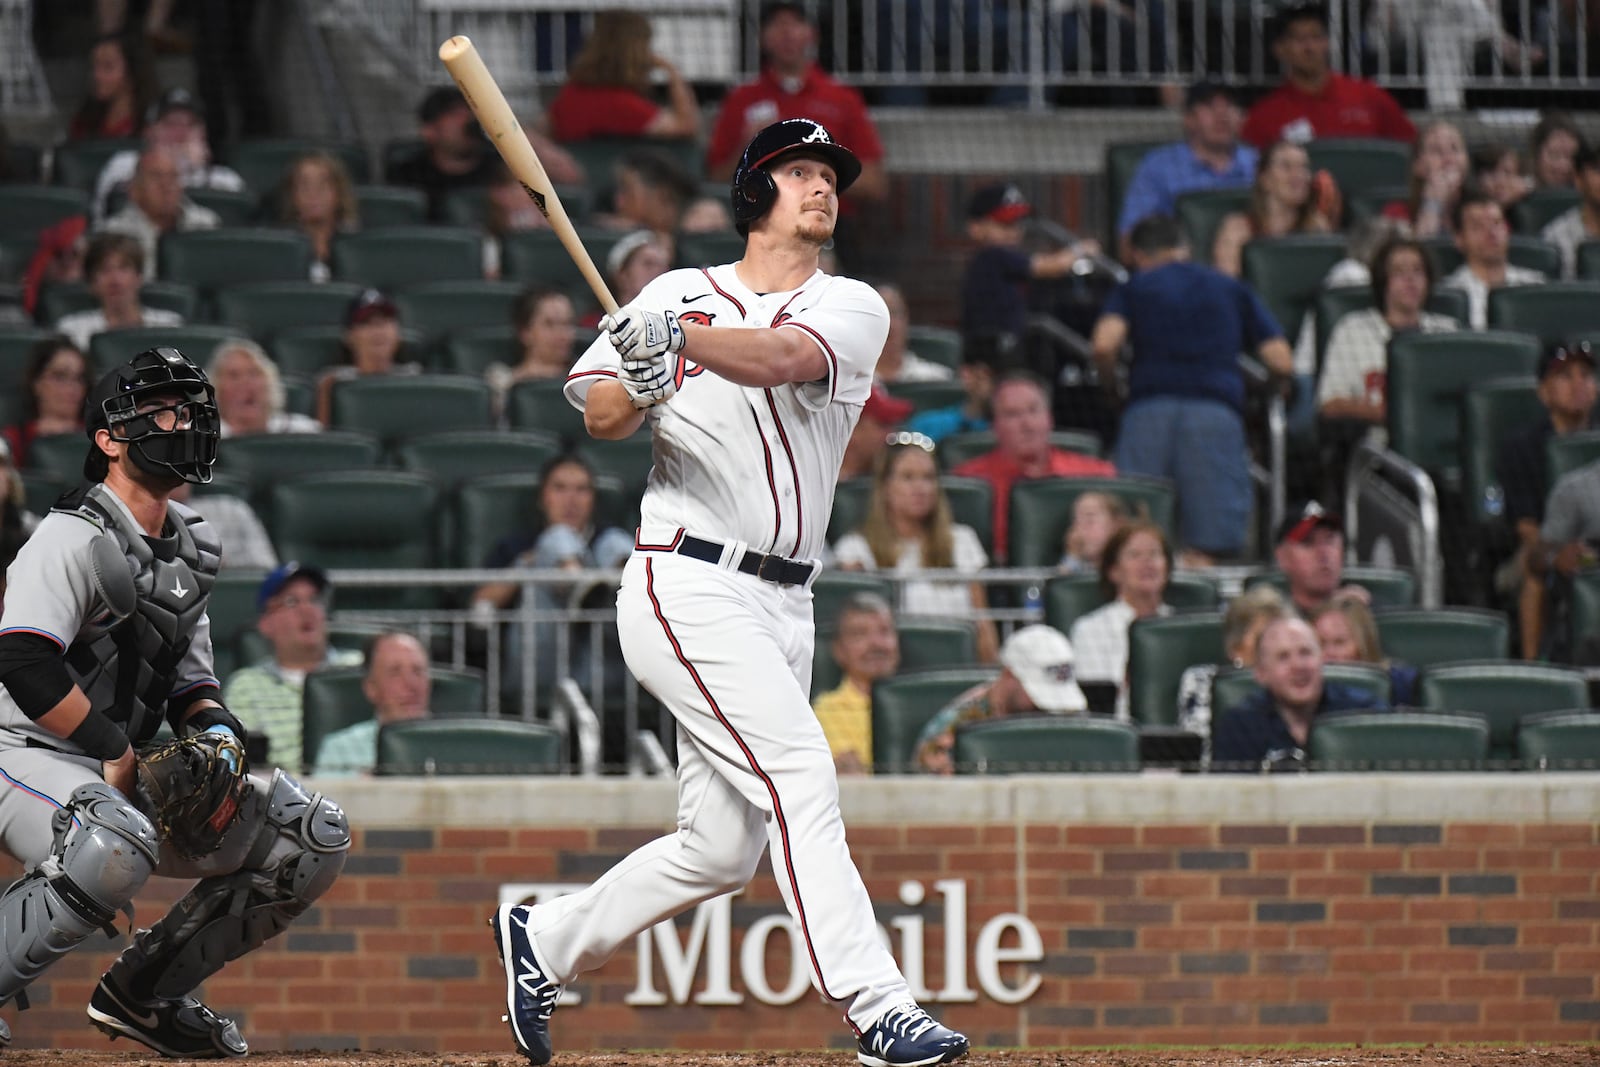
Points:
(541, 404)
(1122, 161)
(391, 205)
(27, 209)
(1541, 207)
(1589, 261)
(332, 700)
(1559, 741)
(1424, 637)
(1361, 164)
(79, 163)
(1525, 250)
(359, 519)
(1200, 213)
(59, 455)
(262, 162)
(1428, 376)
(936, 344)
(112, 348)
(628, 460)
(1502, 692)
(1233, 685)
(903, 705)
(261, 459)
(440, 309)
(971, 504)
(1334, 304)
(394, 407)
(469, 746)
(472, 349)
(709, 249)
(1067, 597)
(1047, 743)
(958, 448)
(537, 257)
(233, 207)
(405, 255)
(211, 259)
(1041, 511)
(1553, 311)
(1398, 740)
(1287, 272)
(925, 644)
(833, 587)
(1391, 587)
(1491, 412)
(1160, 649)
(926, 396)
(1569, 452)
(232, 612)
(1584, 608)
(490, 509)
(262, 309)
(851, 497)
(454, 457)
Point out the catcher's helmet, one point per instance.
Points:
(178, 438)
(754, 192)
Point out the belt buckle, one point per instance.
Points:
(761, 569)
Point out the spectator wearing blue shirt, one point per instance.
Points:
(1210, 156)
(1186, 326)
(994, 289)
(980, 360)
(1271, 729)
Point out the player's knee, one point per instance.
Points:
(313, 839)
(104, 846)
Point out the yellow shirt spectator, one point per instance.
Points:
(846, 717)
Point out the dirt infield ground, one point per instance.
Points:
(1428, 1056)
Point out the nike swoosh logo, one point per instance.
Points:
(146, 1019)
(692, 299)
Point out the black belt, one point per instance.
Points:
(776, 569)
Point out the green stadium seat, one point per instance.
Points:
(1428, 376)
(1553, 311)
(390, 205)
(1360, 165)
(24, 162)
(307, 351)
(958, 448)
(1233, 685)
(490, 509)
(112, 348)
(925, 644)
(1047, 744)
(1359, 207)
(1541, 207)
(709, 249)
(1529, 252)
(394, 407)
(1424, 637)
(264, 309)
(454, 457)
(211, 259)
(235, 207)
(599, 157)
(1041, 511)
(1067, 597)
(628, 460)
(541, 404)
(333, 700)
(1589, 261)
(971, 504)
(78, 163)
(373, 519)
(1122, 162)
(926, 396)
(232, 611)
(440, 309)
(903, 705)
(27, 209)
(59, 299)
(1391, 587)
(1287, 273)
(1584, 608)
(1559, 741)
(1200, 213)
(397, 256)
(1567, 453)
(260, 460)
(471, 350)
(1398, 741)
(936, 344)
(1160, 649)
(262, 163)
(538, 257)
(1334, 304)
(16, 345)
(833, 587)
(851, 496)
(1502, 692)
(1492, 412)
(470, 206)
(469, 746)
(59, 454)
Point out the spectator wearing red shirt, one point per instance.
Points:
(1022, 427)
(607, 92)
(792, 86)
(1315, 101)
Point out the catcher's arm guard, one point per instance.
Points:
(193, 789)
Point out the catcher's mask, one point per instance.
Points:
(162, 406)
(754, 192)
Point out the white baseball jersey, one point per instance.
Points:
(747, 464)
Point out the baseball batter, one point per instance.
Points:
(103, 636)
(752, 376)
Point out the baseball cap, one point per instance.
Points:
(1001, 202)
(1042, 660)
(885, 409)
(285, 573)
(1204, 91)
(1556, 356)
(175, 99)
(1298, 526)
(626, 246)
(369, 303)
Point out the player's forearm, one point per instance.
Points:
(759, 359)
(608, 414)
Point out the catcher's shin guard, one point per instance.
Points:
(299, 850)
(104, 851)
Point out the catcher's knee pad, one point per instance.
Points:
(104, 851)
(299, 853)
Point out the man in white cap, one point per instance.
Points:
(1039, 676)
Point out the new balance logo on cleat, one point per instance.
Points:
(907, 1036)
(530, 995)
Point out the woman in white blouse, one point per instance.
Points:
(1135, 567)
(908, 529)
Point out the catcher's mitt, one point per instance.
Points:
(192, 789)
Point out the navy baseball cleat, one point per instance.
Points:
(907, 1036)
(530, 994)
(182, 1028)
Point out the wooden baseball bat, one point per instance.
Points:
(501, 126)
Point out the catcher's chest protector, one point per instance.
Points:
(128, 670)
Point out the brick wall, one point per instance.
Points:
(1166, 933)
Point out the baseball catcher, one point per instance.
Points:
(104, 636)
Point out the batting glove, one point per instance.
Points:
(639, 335)
(648, 381)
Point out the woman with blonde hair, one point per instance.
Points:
(317, 198)
(1096, 516)
(250, 393)
(1285, 199)
(908, 529)
(1439, 168)
(608, 87)
(1349, 634)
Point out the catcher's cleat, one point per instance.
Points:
(5, 1034)
(183, 1029)
(907, 1036)
(530, 993)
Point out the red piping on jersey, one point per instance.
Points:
(833, 360)
(750, 757)
(722, 292)
(794, 472)
(673, 547)
(591, 374)
(772, 484)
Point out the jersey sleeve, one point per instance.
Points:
(849, 322)
(197, 670)
(598, 362)
(48, 588)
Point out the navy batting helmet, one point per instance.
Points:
(178, 437)
(754, 192)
